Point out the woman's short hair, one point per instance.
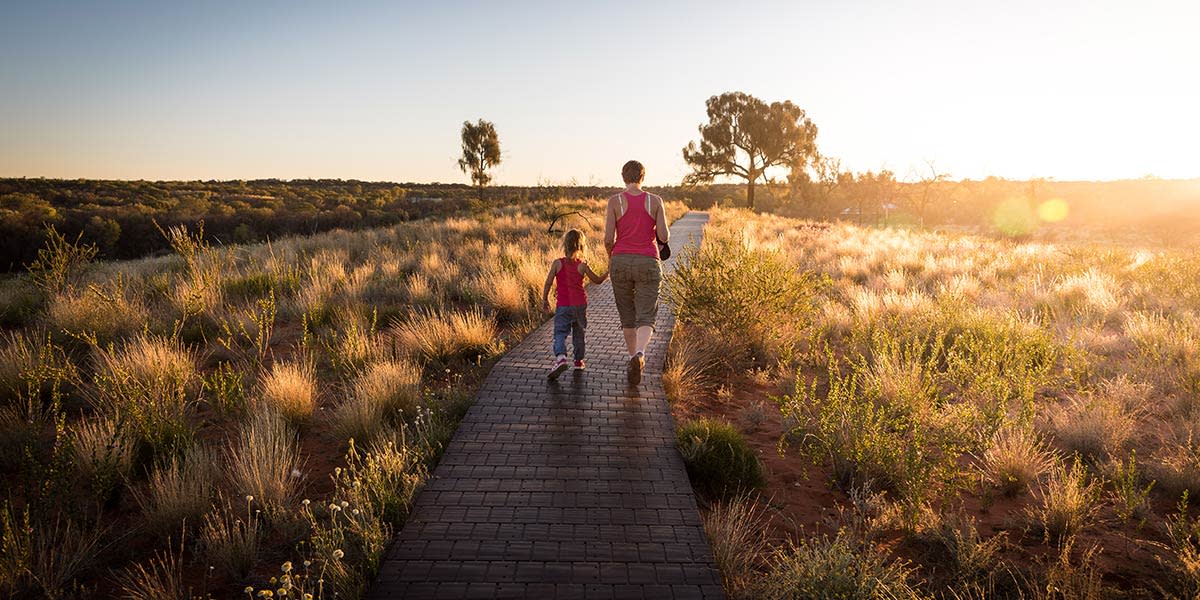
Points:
(633, 172)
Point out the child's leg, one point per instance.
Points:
(578, 327)
(562, 326)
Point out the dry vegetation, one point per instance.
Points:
(992, 418)
(181, 426)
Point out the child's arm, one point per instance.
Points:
(587, 270)
(554, 267)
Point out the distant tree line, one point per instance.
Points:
(122, 218)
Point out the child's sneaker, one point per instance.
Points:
(579, 366)
(634, 372)
(560, 365)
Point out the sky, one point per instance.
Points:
(379, 91)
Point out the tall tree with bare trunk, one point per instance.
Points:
(744, 137)
(481, 151)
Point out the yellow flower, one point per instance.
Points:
(338, 554)
(287, 566)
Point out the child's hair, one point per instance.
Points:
(572, 244)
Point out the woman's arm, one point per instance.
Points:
(610, 225)
(554, 267)
(664, 232)
(587, 270)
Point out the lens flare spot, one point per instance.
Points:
(1015, 217)
(1053, 210)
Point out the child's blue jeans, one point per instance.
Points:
(572, 320)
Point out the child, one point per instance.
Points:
(571, 314)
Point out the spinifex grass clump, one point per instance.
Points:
(835, 568)
(719, 461)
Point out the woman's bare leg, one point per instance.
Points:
(643, 338)
(631, 338)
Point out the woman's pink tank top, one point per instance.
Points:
(570, 283)
(637, 228)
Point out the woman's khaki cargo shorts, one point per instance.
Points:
(635, 279)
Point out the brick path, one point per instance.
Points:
(572, 489)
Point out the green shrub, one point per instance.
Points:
(719, 462)
(753, 297)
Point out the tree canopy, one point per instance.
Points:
(744, 137)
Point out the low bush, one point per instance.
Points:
(719, 462)
(837, 568)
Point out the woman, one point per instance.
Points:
(635, 219)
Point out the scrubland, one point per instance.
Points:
(939, 415)
(230, 420)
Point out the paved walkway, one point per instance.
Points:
(572, 489)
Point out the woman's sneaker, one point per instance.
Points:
(560, 365)
(634, 372)
(579, 366)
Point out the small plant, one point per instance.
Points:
(1183, 533)
(178, 492)
(159, 578)
(263, 462)
(225, 389)
(151, 384)
(1015, 460)
(719, 462)
(290, 390)
(229, 539)
(1067, 502)
(735, 532)
(44, 557)
(834, 569)
(103, 455)
(1130, 498)
(60, 263)
(383, 393)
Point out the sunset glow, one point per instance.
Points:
(1100, 90)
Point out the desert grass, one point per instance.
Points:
(835, 567)
(923, 352)
(290, 390)
(178, 493)
(385, 392)
(230, 536)
(691, 367)
(263, 462)
(162, 577)
(151, 383)
(1066, 503)
(45, 558)
(445, 335)
(132, 362)
(1015, 460)
(735, 532)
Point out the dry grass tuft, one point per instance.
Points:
(160, 578)
(290, 389)
(178, 492)
(1015, 460)
(445, 335)
(1067, 502)
(690, 366)
(263, 462)
(1102, 424)
(384, 392)
(735, 530)
(229, 538)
